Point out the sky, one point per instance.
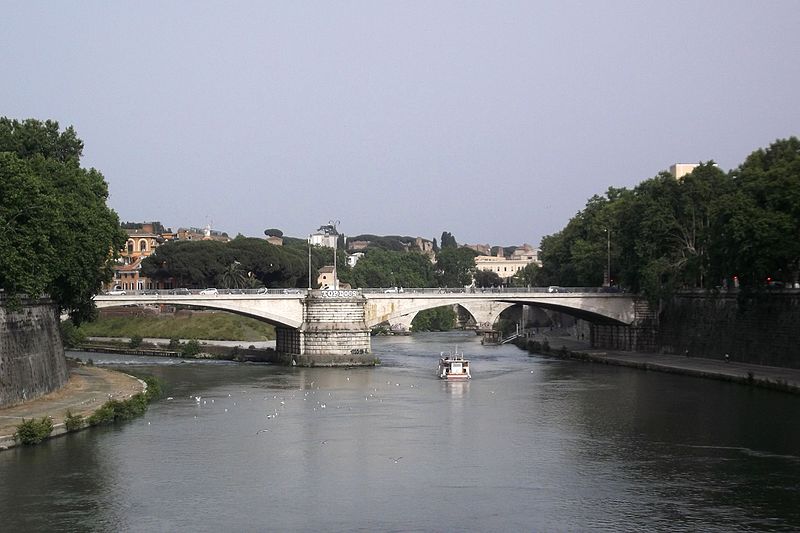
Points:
(495, 121)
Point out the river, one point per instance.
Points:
(529, 444)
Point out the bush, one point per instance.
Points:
(174, 343)
(191, 348)
(135, 341)
(73, 422)
(71, 336)
(155, 390)
(34, 431)
(136, 405)
(114, 410)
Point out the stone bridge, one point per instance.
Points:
(330, 326)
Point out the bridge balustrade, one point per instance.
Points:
(379, 290)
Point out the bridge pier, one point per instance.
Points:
(639, 336)
(333, 332)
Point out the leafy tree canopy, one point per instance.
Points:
(242, 262)
(383, 268)
(702, 230)
(455, 267)
(56, 232)
(448, 241)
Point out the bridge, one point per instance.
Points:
(325, 326)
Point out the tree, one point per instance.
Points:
(448, 241)
(212, 263)
(487, 278)
(234, 276)
(455, 267)
(272, 232)
(383, 268)
(528, 276)
(56, 232)
(758, 221)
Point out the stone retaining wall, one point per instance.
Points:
(32, 361)
(761, 328)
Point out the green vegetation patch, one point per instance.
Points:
(34, 431)
(213, 325)
(136, 405)
(436, 319)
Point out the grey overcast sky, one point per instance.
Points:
(494, 120)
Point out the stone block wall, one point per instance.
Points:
(641, 336)
(759, 328)
(32, 359)
(334, 325)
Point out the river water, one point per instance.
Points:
(530, 444)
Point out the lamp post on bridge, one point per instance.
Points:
(309, 262)
(607, 277)
(333, 224)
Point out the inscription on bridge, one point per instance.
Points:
(336, 294)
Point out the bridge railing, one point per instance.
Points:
(197, 292)
(488, 290)
(370, 290)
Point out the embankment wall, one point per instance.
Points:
(32, 359)
(759, 328)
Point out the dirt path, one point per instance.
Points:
(88, 388)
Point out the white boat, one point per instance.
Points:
(453, 366)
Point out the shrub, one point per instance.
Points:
(174, 343)
(71, 336)
(135, 341)
(73, 422)
(191, 348)
(34, 431)
(154, 388)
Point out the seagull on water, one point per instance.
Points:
(396, 459)
(261, 431)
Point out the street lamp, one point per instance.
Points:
(333, 224)
(607, 281)
(309, 262)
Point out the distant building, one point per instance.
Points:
(506, 267)
(325, 277)
(352, 259)
(357, 246)
(204, 234)
(679, 170)
(143, 239)
(325, 236)
(484, 249)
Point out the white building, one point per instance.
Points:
(506, 267)
(325, 236)
(679, 170)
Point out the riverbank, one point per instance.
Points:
(771, 377)
(255, 352)
(87, 389)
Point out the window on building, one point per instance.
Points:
(143, 245)
(130, 247)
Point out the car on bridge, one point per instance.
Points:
(553, 288)
(116, 291)
(180, 291)
(209, 291)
